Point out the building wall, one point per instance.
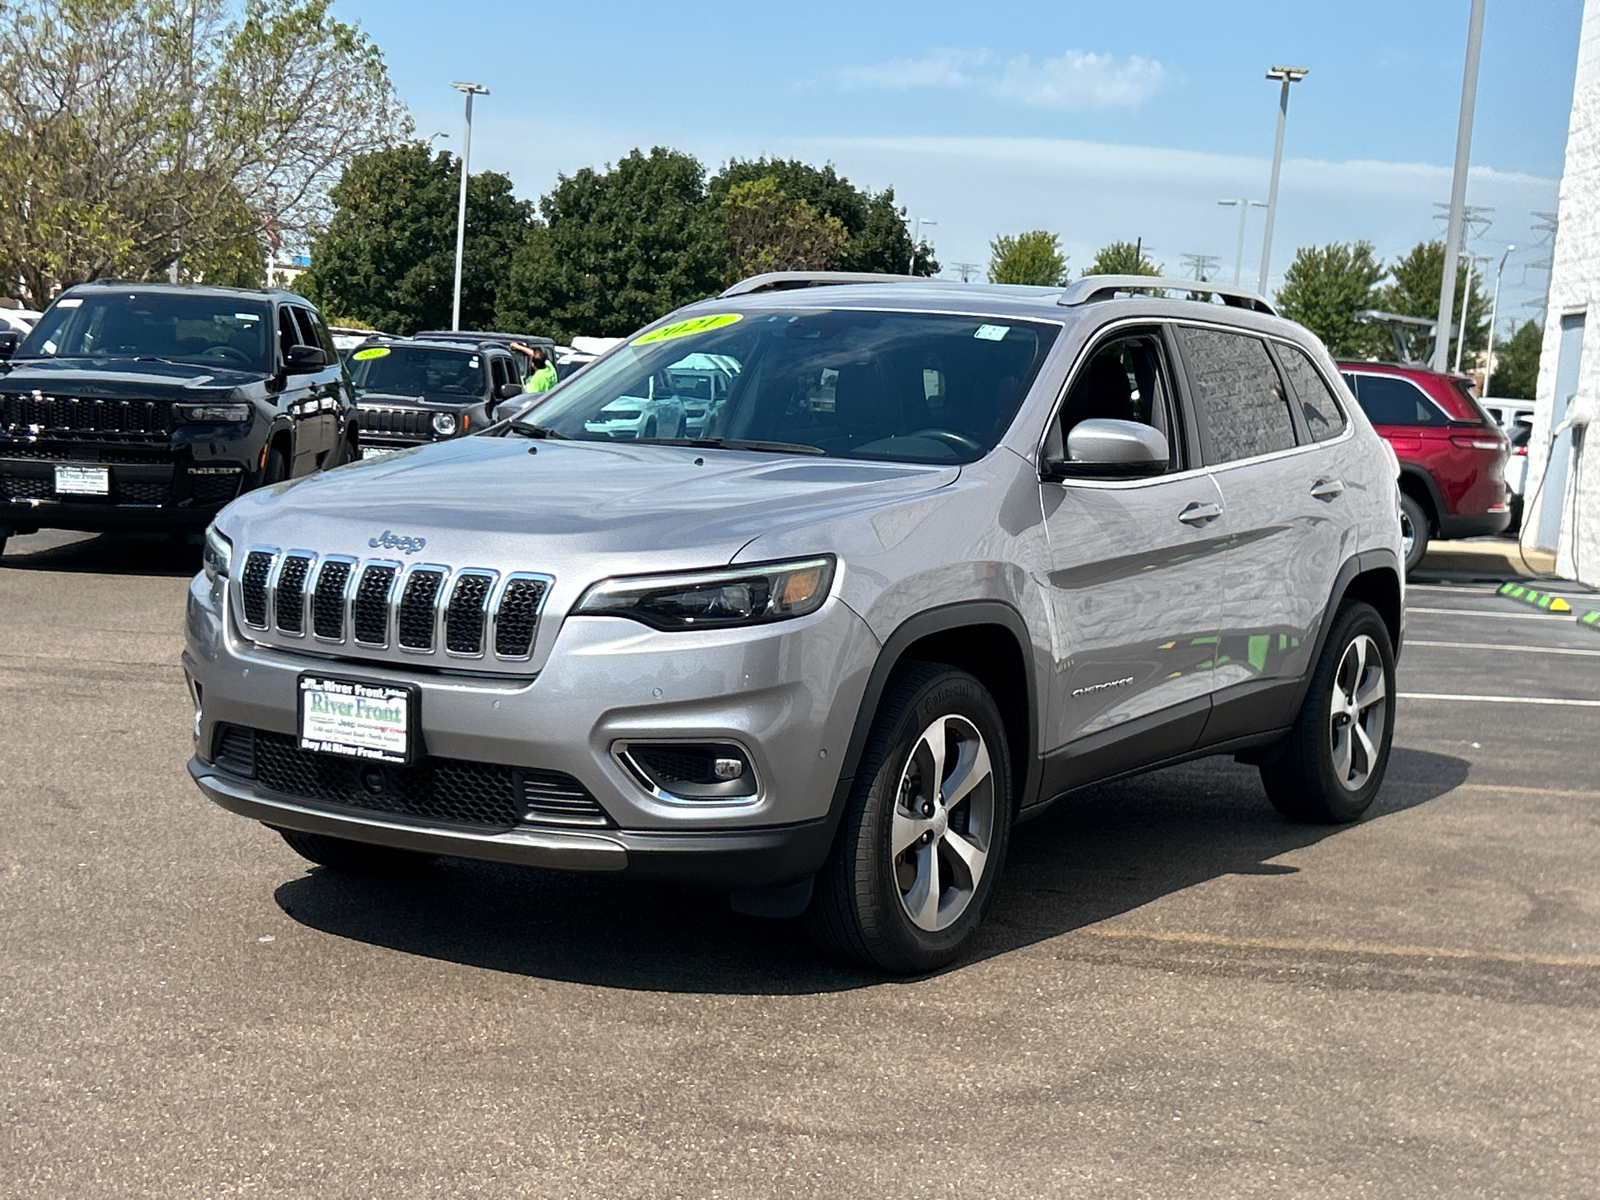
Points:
(1574, 288)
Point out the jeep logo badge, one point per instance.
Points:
(392, 541)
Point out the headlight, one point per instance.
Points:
(715, 599)
(217, 556)
(444, 424)
(214, 414)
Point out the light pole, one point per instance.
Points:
(1494, 313)
(1238, 250)
(916, 234)
(1286, 75)
(1458, 188)
(469, 90)
(1466, 305)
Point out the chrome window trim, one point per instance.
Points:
(1414, 386)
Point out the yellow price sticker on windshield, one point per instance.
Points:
(680, 329)
(371, 352)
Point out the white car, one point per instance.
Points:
(1507, 413)
(630, 417)
(19, 320)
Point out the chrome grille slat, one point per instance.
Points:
(382, 609)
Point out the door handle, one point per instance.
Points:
(1198, 514)
(1327, 489)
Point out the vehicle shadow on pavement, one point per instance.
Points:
(104, 554)
(1099, 853)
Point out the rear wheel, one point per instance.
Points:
(1413, 531)
(924, 836)
(1333, 765)
(276, 468)
(356, 858)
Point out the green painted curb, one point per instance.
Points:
(1544, 600)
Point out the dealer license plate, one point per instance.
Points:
(371, 721)
(83, 481)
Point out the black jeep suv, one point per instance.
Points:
(418, 390)
(139, 405)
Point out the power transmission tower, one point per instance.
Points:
(1201, 265)
(967, 270)
(1545, 228)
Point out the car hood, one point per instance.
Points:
(585, 508)
(121, 378)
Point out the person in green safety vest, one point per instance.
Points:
(542, 375)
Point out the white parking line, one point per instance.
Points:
(1491, 646)
(1551, 700)
(1486, 612)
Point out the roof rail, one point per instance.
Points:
(1104, 287)
(783, 281)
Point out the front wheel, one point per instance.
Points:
(1413, 531)
(924, 835)
(1338, 750)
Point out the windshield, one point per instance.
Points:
(422, 371)
(895, 386)
(212, 331)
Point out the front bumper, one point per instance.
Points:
(786, 694)
(166, 489)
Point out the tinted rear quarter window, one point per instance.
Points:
(1239, 396)
(1323, 417)
(1388, 400)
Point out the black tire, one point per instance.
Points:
(1413, 525)
(649, 428)
(3, 539)
(862, 899)
(275, 469)
(356, 858)
(1304, 782)
(344, 453)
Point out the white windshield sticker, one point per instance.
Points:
(247, 316)
(992, 333)
(474, 363)
(70, 302)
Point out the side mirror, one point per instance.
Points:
(508, 391)
(298, 360)
(1102, 448)
(10, 339)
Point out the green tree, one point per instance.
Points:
(1516, 363)
(1326, 286)
(619, 248)
(1122, 258)
(1034, 258)
(387, 257)
(133, 132)
(876, 238)
(1414, 292)
(765, 230)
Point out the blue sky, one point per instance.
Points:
(1098, 121)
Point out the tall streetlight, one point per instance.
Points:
(469, 90)
(1238, 250)
(1458, 189)
(1494, 314)
(1286, 75)
(916, 235)
(1466, 305)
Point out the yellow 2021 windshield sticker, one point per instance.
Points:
(680, 329)
(371, 352)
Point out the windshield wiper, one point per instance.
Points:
(718, 443)
(529, 430)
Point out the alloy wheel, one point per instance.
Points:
(1408, 536)
(1360, 694)
(944, 822)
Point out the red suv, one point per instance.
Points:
(1452, 454)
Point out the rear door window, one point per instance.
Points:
(1324, 419)
(1388, 400)
(1238, 395)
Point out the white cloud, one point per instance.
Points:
(1073, 80)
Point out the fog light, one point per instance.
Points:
(698, 772)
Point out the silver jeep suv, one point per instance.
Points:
(939, 555)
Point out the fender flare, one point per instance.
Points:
(940, 620)
(1435, 497)
(1363, 563)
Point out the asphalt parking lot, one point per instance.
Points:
(1177, 994)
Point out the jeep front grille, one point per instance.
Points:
(385, 609)
(70, 417)
(396, 422)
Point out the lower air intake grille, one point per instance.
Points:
(143, 491)
(235, 750)
(484, 796)
(372, 605)
(327, 606)
(214, 489)
(463, 619)
(23, 487)
(416, 609)
(291, 594)
(253, 586)
(517, 618)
